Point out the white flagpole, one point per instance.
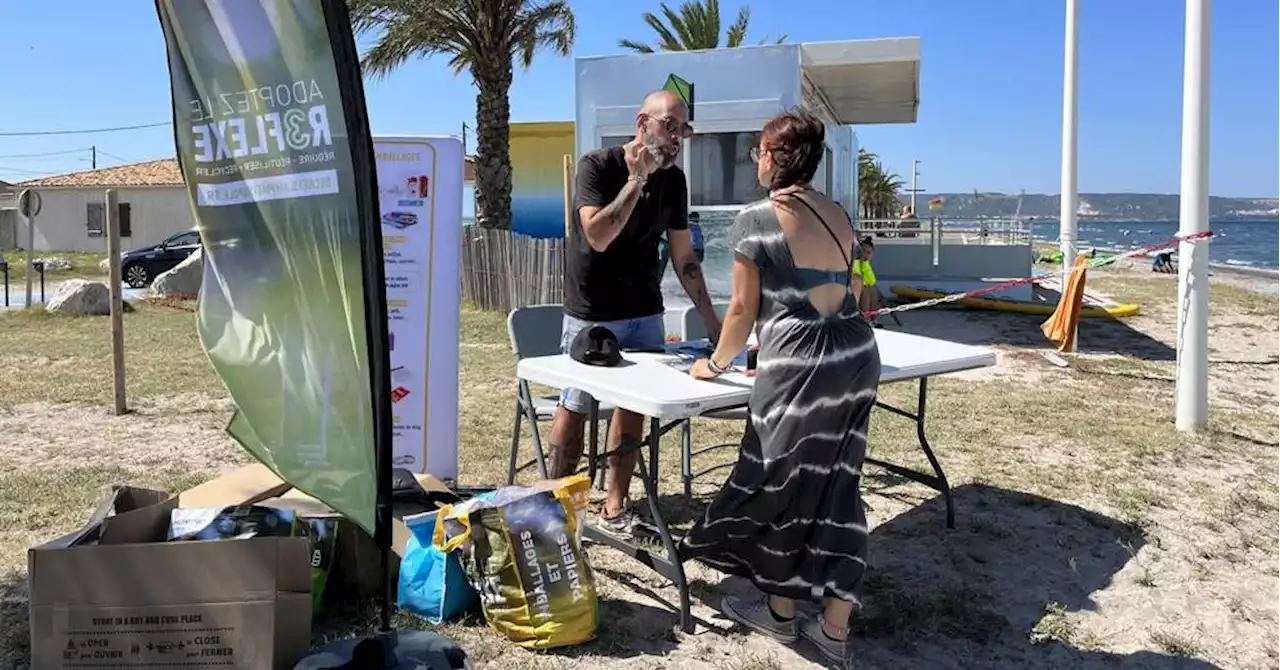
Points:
(1193, 257)
(1068, 195)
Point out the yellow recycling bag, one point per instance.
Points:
(521, 549)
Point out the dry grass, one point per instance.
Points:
(1089, 531)
(82, 265)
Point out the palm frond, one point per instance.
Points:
(712, 27)
(637, 47)
(738, 31)
(404, 29)
(676, 21)
(549, 26)
(696, 25)
(667, 40)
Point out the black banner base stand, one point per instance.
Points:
(393, 650)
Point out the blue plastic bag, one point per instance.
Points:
(432, 583)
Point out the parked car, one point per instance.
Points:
(141, 266)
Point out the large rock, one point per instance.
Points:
(183, 279)
(55, 263)
(80, 297)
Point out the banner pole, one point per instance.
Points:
(375, 300)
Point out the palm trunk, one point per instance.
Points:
(493, 148)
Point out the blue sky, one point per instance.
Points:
(991, 87)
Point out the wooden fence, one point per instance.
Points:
(502, 270)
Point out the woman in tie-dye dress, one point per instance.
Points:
(790, 518)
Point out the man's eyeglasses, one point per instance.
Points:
(755, 154)
(678, 128)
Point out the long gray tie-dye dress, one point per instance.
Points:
(790, 517)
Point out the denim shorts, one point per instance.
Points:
(646, 332)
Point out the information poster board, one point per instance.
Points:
(420, 196)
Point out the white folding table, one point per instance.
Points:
(658, 386)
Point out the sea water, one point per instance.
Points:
(1251, 243)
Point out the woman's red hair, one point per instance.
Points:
(794, 140)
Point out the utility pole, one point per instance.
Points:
(915, 174)
(1192, 409)
(464, 139)
(93, 156)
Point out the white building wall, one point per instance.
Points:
(8, 229)
(735, 92)
(155, 214)
(838, 173)
(734, 89)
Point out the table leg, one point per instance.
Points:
(514, 461)
(668, 566)
(938, 480)
(686, 459)
(526, 399)
(660, 524)
(944, 487)
(593, 441)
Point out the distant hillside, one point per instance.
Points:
(1103, 206)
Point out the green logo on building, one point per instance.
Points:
(682, 89)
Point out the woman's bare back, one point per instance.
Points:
(812, 245)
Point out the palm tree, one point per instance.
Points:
(695, 26)
(877, 189)
(484, 37)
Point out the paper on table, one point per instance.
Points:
(691, 348)
(681, 364)
(684, 358)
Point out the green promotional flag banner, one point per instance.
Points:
(262, 111)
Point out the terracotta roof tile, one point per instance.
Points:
(163, 172)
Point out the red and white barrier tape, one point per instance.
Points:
(1095, 263)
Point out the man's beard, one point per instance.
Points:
(659, 153)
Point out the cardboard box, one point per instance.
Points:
(245, 486)
(357, 559)
(115, 595)
(257, 485)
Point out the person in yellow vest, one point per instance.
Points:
(869, 300)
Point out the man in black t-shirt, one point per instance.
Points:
(627, 197)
